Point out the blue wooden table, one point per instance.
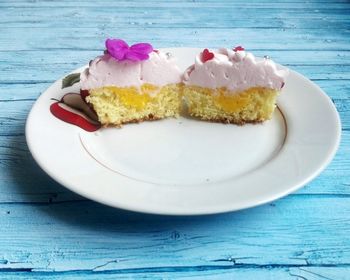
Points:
(47, 231)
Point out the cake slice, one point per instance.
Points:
(232, 86)
(132, 84)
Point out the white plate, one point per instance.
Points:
(188, 167)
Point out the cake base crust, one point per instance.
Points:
(232, 121)
(147, 118)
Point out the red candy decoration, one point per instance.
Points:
(238, 48)
(207, 55)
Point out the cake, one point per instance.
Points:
(136, 83)
(232, 86)
(132, 84)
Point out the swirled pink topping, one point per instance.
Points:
(236, 70)
(160, 69)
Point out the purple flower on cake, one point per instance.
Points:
(120, 50)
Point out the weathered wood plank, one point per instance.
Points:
(93, 38)
(178, 22)
(156, 14)
(178, 2)
(265, 15)
(89, 236)
(21, 92)
(314, 6)
(196, 273)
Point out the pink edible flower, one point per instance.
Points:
(120, 50)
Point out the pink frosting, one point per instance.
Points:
(160, 69)
(236, 71)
